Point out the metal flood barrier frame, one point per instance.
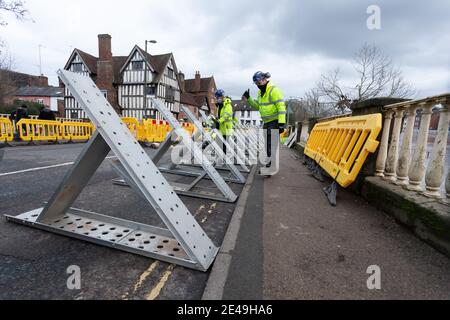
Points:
(341, 146)
(219, 152)
(209, 171)
(239, 145)
(187, 189)
(184, 242)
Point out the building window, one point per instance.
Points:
(170, 94)
(137, 65)
(254, 122)
(77, 67)
(151, 90)
(74, 115)
(105, 93)
(242, 121)
(261, 123)
(40, 101)
(171, 73)
(242, 114)
(248, 114)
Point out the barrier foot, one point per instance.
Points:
(311, 164)
(331, 192)
(304, 160)
(318, 174)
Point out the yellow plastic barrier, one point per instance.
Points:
(6, 130)
(38, 130)
(189, 127)
(151, 130)
(71, 130)
(342, 145)
(132, 124)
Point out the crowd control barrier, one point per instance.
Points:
(6, 130)
(38, 130)
(72, 130)
(341, 146)
(52, 130)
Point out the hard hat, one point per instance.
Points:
(219, 93)
(259, 75)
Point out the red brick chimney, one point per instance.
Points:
(181, 77)
(197, 81)
(41, 81)
(104, 47)
(105, 71)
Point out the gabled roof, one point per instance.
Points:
(19, 79)
(204, 84)
(89, 60)
(156, 63)
(160, 62)
(118, 63)
(39, 92)
(189, 99)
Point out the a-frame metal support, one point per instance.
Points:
(229, 163)
(198, 155)
(184, 242)
(231, 145)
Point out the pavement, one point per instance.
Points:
(293, 245)
(34, 263)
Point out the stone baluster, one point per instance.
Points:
(447, 187)
(436, 165)
(391, 162)
(382, 150)
(417, 168)
(405, 152)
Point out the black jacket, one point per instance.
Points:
(46, 114)
(19, 114)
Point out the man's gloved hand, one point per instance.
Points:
(246, 94)
(281, 127)
(216, 123)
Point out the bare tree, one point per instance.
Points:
(311, 106)
(15, 7)
(377, 76)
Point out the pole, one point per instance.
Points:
(40, 61)
(145, 82)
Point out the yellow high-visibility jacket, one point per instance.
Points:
(226, 118)
(271, 106)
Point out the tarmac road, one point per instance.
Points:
(33, 263)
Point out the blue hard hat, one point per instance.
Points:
(219, 93)
(259, 75)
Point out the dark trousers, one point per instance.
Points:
(269, 126)
(224, 146)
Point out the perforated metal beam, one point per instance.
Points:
(195, 249)
(239, 155)
(195, 150)
(217, 149)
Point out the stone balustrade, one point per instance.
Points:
(408, 163)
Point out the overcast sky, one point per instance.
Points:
(295, 41)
